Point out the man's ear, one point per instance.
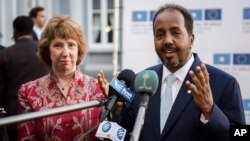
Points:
(191, 40)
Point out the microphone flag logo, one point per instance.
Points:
(106, 127)
(145, 77)
(120, 133)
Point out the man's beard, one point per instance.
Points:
(170, 65)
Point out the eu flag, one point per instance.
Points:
(139, 16)
(152, 15)
(212, 14)
(241, 59)
(196, 13)
(246, 13)
(222, 58)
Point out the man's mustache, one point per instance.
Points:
(168, 48)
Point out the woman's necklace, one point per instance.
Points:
(63, 86)
(63, 80)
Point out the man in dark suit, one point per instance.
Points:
(206, 100)
(38, 16)
(18, 64)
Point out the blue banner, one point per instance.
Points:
(213, 14)
(246, 13)
(196, 13)
(139, 16)
(241, 59)
(222, 59)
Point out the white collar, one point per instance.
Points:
(180, 73)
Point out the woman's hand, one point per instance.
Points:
(104, 84)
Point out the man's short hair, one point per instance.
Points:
(22, 25)
(34, 11)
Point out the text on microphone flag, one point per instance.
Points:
(125, 92)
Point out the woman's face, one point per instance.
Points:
(63, 54)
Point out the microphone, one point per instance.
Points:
(118, 91)
(127, 77)
(146, 84)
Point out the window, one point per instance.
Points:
(101, 22)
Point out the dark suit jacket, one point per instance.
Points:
(18, 64)
(35, 36)
(184, 123)
(2, 47)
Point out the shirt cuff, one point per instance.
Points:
(203, 120)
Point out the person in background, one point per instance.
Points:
(62, 47)
(203, 101)
(38, 16)
(3, 133)
(18, 64)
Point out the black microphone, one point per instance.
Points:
(119, 91)
(146, 84)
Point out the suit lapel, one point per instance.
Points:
(155, 103)
(182, 99)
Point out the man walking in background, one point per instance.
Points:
(18, 64)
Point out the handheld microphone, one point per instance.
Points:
(146, 84)
(118, 91)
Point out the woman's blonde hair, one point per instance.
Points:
(66, 28)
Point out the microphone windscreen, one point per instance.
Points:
(146, 81)
(128, 76)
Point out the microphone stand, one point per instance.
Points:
(52, 111)
(134, 136)
(108, 107)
